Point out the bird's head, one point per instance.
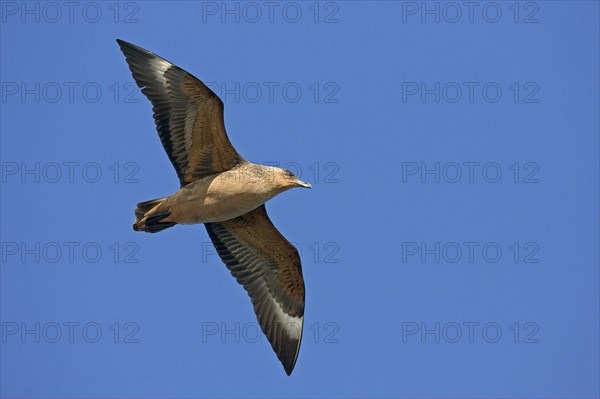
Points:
(286, 179)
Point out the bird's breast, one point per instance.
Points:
(217, 199)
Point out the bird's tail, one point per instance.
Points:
(148, 217)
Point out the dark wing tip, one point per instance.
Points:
(123, 44)
(288, 366)
(132, 51)
(289, 357)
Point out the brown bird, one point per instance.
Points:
(225, 192)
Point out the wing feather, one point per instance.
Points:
(268, 267)
(188, 116)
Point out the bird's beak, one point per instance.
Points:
(303, 184)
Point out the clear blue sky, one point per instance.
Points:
(449, 245)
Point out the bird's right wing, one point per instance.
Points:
(188, 115)
(268, 267)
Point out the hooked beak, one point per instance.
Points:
(302, 183)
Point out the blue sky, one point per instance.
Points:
(450, 244)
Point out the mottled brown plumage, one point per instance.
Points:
(225, 192)
(268, 266)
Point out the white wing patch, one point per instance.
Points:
(292, 325)
(159, 67)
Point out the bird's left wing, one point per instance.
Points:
(188, 115)
(268, 267)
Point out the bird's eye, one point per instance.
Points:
(288, 173)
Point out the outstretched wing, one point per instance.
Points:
(268, 267)
(188, 115)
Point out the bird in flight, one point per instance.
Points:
(225, 192)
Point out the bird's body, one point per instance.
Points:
(219, 197)
(225, 192)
